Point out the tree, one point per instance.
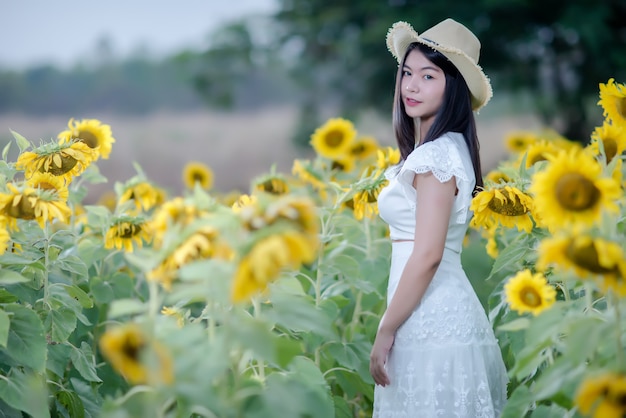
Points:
(558, 50)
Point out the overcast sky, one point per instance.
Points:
(60, 31)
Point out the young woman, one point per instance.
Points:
(435, 354)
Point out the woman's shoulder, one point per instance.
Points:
(441, 146)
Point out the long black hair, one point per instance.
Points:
(454, 115)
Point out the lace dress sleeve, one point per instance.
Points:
(442, 158)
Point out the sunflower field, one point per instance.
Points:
(265, 304)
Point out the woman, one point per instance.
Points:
(435, 354)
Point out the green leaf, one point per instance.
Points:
(60, 323)
(5, 323)
(554, 377)
(22, 142)
(552, 411)
(72, 403)
(84, 361)
(8, 277)
(72, 264)
(101, 290)
(518, 404)
(5, 150)
(515, 325)
(25, 392)
(7, 297)
(509, 258)
(300, 314)
(89, 396)
(58, 358)
(342, 408)
(78, 294)
(123, 307)
(26, 343)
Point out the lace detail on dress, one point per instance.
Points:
(442, 158)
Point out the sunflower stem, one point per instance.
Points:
(257, 314)
(618, 326)
(153, 302)
(46, 250)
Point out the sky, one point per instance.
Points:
(60, 32)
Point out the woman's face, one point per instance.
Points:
(423, 85)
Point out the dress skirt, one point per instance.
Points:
(445, 361)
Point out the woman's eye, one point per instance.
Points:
(428, 77)
(406, 73)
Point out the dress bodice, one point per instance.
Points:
(446, 157)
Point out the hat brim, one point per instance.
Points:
(402, 34)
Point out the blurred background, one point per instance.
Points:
(241, 85)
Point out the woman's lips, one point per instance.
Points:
(411, 102)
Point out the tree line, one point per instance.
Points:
(313, 53)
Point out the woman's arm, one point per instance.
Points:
(432, 216)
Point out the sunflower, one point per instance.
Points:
(176, 313)
(363, 147)
(205, 243)
(202, 244)
(47, 181)
(504, 205)
(28, 204)
(611, 137)
(518, 142)
(91, 132)
(126, 230)
(65, 160)
(298, 211)
(539, 151)
(304, 170)
(5, 237)
(587, 257)
(196, 172)
(272, 183)
(497, 177)
(244, 201)
(387, 157)
(265, 261)
(135, 356)
(334, 138)
(602, 396)
(343, 164)
(571, 191)
(143, 194)
(527, 292)
(365, 201)
(613, 102)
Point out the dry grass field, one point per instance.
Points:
(237, 146)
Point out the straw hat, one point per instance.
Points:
(455, 42)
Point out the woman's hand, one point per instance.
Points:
(378, 356)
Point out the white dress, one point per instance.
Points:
(445, 360)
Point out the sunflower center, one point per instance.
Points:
(334, 138)
(88, 138)
(198, 177)
(530, 296)
(610, 148)
(44, 185)
(512, 206)
(132, 348)
(24, 209)
(67, 163)
(586, 256)
(128, 230)
(576, 192)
